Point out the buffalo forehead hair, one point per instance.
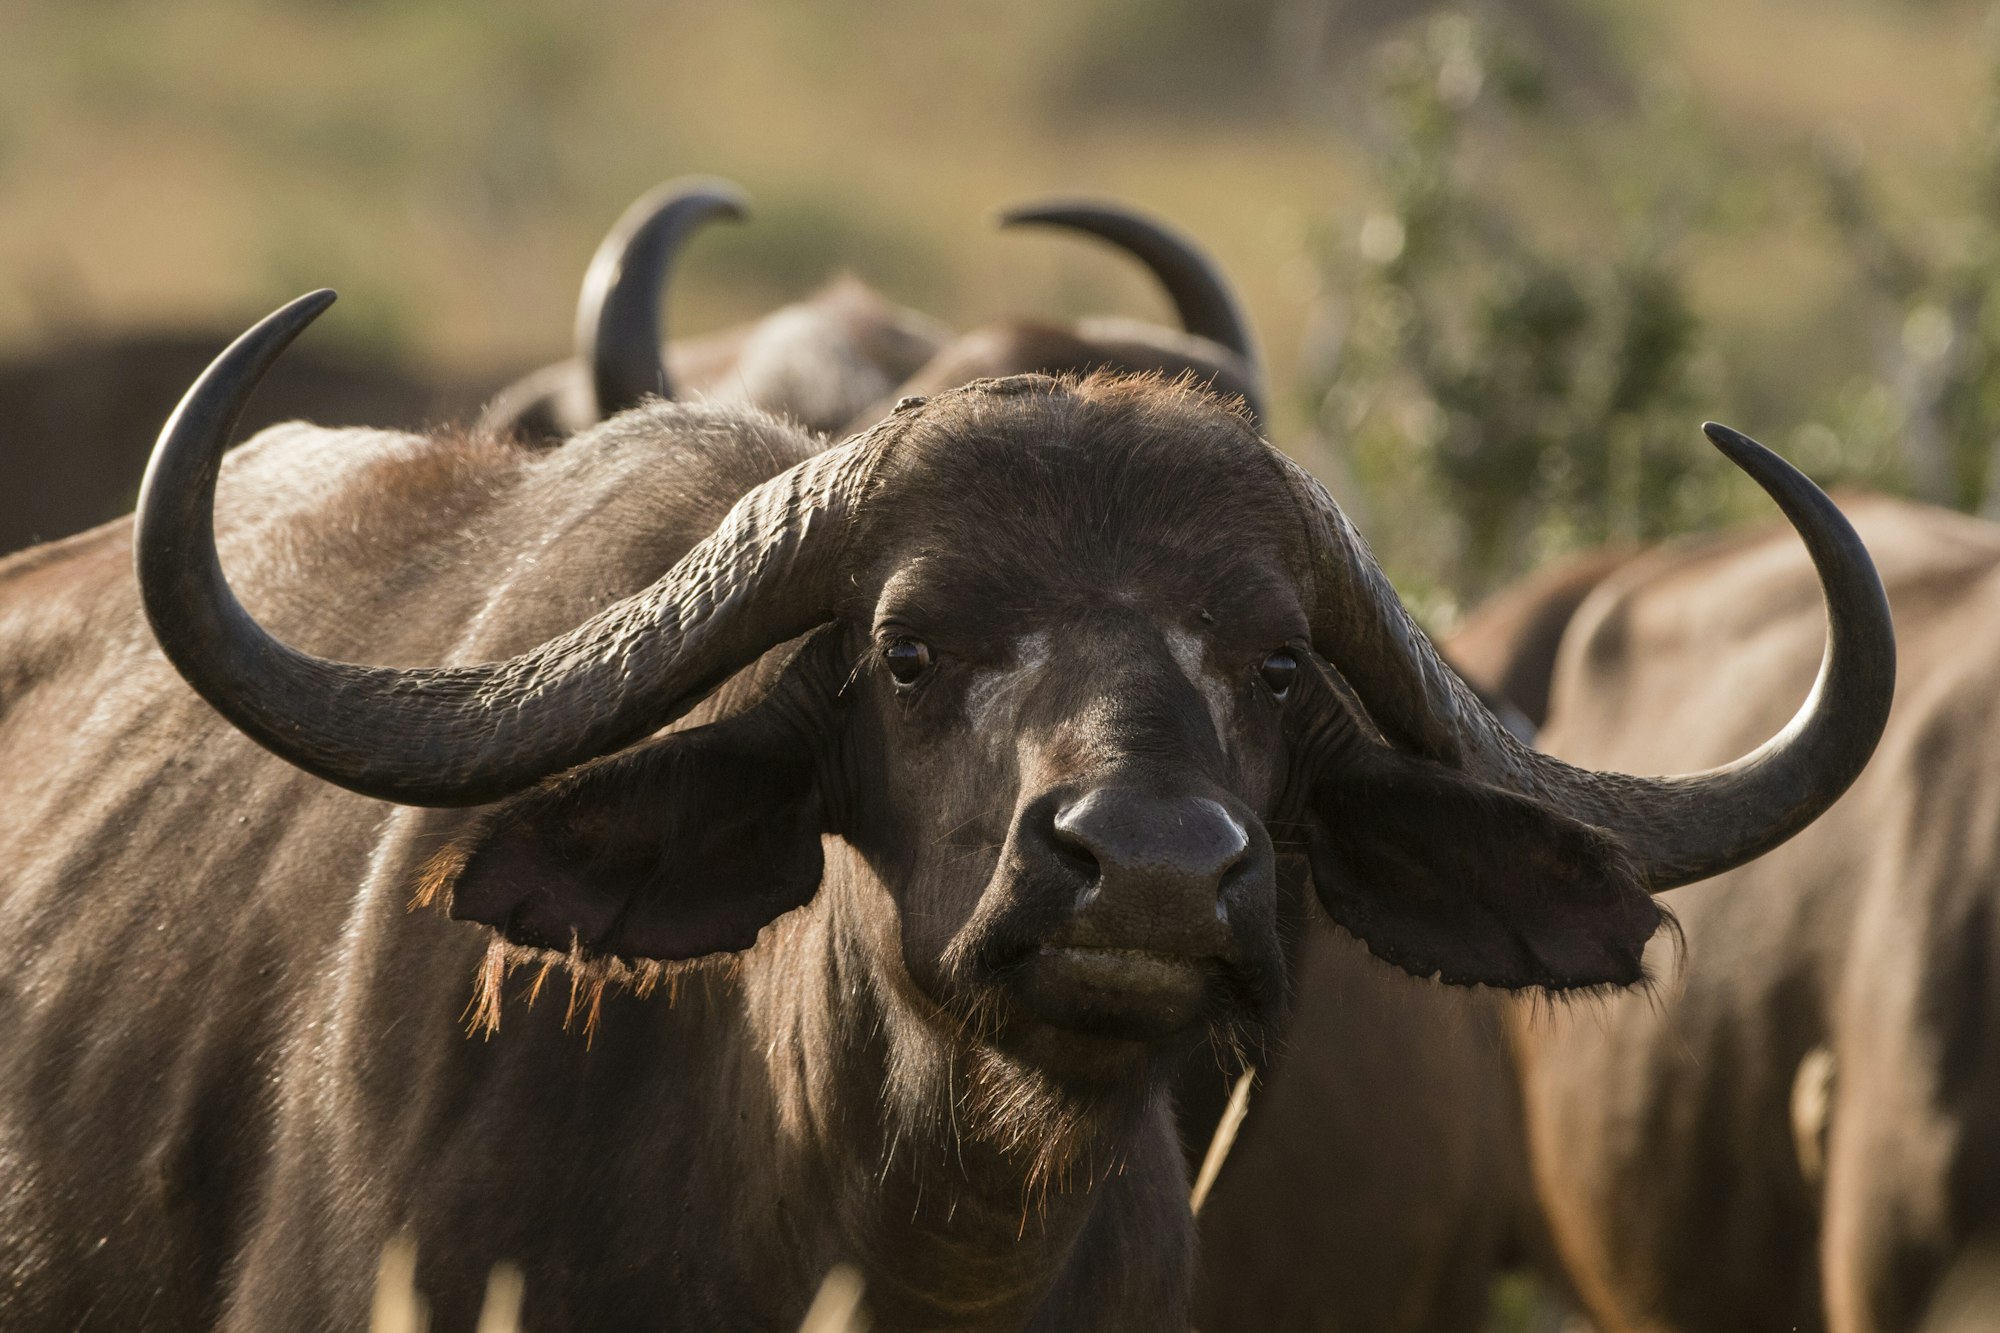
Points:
(1059, 464)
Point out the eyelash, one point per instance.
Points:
(903, 652)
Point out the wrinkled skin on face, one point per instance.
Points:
(1066, 717)
(1050, 734)
(1006, 753)
(1074, 788)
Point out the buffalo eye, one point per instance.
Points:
(1278, 670)
(907, 659)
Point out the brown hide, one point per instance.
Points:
(1014, 886)
(1020, 347)
(819, 362)
(1508, 646)
(81, 415)
(1665, 1128)
(1380, 1183)
(1662, 1127)
(236, 1064)
(815, 361)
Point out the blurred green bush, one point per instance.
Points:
(1498, 398)
(1496, 391)
(1927, 420)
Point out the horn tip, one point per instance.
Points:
(1726, 438)
(679, 202)
(1046, 212)
(1740, 449)
(292, 318)
(729, 201)
(311, 305)
(718, 196)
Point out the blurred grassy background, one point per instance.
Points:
(449, 167)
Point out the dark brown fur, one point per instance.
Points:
(235, 1063)
(83, 412)
(1652, 1143)
(1021, 347)
(1869, 934)
(819, 362)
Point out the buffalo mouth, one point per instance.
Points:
(1120, 993)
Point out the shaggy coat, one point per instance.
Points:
(1813, 1110)
(1807, 1106)
(920, 910)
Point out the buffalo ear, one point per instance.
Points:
(683, 846)
(1442, 875)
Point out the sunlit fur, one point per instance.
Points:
(232, 1030)
(1019, 509)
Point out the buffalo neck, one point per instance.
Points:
(884, 1112)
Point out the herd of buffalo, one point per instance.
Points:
(842, 791)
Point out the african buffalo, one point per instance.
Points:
(1688, 1146)
(830, 358)
(1213, 347)
(927, 791)
(1381, 1183)
(840, 360)
(817, 361)
(1802, 1129)
(81, 414)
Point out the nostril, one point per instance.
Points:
(1150, 844)
(1073, 849)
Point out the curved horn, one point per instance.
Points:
(618, 316)
(1201, 295)
(1677, 829)
(470, 734)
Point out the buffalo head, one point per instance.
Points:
(842, 358)
(1212, 348)
(1055, 673)
(818, 361)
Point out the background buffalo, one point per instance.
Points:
(1499, 265)
(81, 416)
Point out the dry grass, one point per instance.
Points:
(400, 1307)
(1223, 1140)
(837, 1308)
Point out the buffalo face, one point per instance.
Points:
(1063, 722)
(1068, 658)
(1048, 728)
(1067, 712)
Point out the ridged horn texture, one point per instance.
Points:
(619, 322)
(1677, 829)
(1201, 295)
(466, 735)
(771, 571)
